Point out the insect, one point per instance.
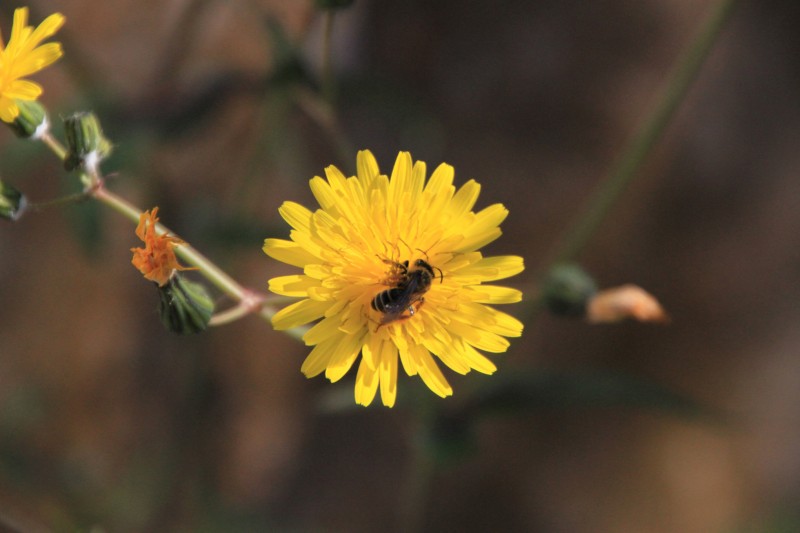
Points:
(407, 294)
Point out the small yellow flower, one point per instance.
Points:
(391, 269)
(22, 57)
(156, 261)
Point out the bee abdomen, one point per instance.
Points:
(385, 301)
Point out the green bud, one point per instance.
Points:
(185, 306)
(334, 4)
(32, 121)
(86, 144)
(12, 202)
(567, 289)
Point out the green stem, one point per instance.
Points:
(325, 117)
(624, 171)
(327, 52)
(415, 490)
(249, 301)
(55, 146)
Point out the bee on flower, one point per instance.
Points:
(392, 273)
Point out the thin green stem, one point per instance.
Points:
(249, 301)
(55, 146)
(415, 490)
(324, 115)
(64, 200)
(611, 188)
(328, 89)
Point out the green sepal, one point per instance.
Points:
(185, 306)
(32, 120)
(12, 202)
(85, 141)
(567, 289)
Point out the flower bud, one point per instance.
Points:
(32, 121)
(567, 289)
(12, 202)
(86, 144)
(627, 301)
(185, 306)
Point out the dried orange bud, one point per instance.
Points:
(626, 301)
(156, 261)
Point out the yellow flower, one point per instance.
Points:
(22, 57)
(391, 267)
(156, 261)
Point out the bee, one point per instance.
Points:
(407, 295)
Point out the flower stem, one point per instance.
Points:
(611, 188)
(249, 301)
(55, 146)
(328, 89)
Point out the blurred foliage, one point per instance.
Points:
(525, 391)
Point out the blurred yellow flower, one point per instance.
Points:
(391, 267)
(156, 261)
(22, 57)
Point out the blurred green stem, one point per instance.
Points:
(248, 301)
(415, 490)
(417, 486)
(325, 116)
(423, 464)
(328, 89)
(641, 145)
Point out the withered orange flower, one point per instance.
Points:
(156, 261)
(627, 301)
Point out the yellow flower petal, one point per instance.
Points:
(388, 374)
(288, 252)
(322, 331)
(476, 360)
(343, 358)
(429, 371)
(23, 90)
(465, 198)
(295, 285)
(367, 381)
(494, 268)
(367, 167)
(296, 215)
(318, 359)
(25, 55)
(299, 313)
(480, 339)
(493, 294)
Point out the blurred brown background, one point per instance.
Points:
(107, 420)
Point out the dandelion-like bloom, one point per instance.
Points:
(156, 261)
(391, 267)
(22, 57)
